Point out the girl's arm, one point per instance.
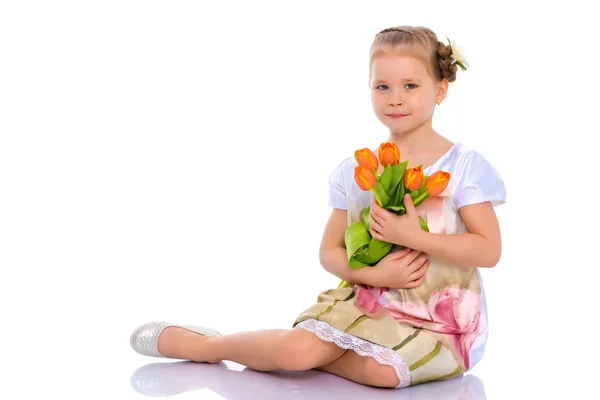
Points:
(335, 261)
(480, 247)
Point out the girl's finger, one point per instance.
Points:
(377, 211)
(374, 231)
(376, 235)
(418, 262)
(376, 217)
(421, 271)
(416, 283)
(375, 224)
(401, 253)
(412, 256)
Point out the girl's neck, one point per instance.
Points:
(416, 140)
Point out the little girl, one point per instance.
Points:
(419, 314)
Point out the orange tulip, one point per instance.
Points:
(366, 158)
(364, 177)
(413, 178)
(389, 154)
(437, 183)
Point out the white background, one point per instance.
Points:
(169, 160)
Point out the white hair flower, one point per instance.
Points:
(458, 55)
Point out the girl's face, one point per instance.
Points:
(403, 92)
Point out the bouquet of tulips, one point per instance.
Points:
(389, 190)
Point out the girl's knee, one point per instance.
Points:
(379, 375)
(300, 350)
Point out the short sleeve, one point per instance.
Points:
(478, 182)
(337, 187)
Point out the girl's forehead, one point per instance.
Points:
(400, 60)
(398, 65)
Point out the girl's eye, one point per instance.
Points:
(408, 86)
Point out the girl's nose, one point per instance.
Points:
(395, 98)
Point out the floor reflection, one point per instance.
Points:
(165, 379)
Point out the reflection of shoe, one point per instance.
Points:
(165, 379)
(171, 378)
(144, 339)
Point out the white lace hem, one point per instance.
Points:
(381, 354)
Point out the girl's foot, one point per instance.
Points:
(162, 339)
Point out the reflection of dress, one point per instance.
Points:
(433, 332)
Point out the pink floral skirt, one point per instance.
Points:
(422, 341)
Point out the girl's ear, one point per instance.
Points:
(442, 90)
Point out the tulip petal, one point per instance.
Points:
(366, 158)
(389, 154)
(437, 182)
(364, 178)
(413, 178)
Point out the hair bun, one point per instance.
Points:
(446, 62)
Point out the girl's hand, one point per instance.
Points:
(397, 229)
(404, 269)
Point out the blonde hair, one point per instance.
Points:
(439, 61)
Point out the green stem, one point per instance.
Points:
(379, 201)
(421, 197)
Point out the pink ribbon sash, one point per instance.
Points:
(432, 211)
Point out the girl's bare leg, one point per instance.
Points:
(364, 370)
(267, 350)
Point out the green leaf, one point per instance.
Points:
(400, 210)
(363, 256)
(422, 187)
(423, 224)
(421, 201)
(381, 194)
(355, 264)
(398, 171)
(356, 237)
(421, 191)
(361, 248)
(365, 218)
(386, 178)
(399, 196)
(378, 249)
(374, 252)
